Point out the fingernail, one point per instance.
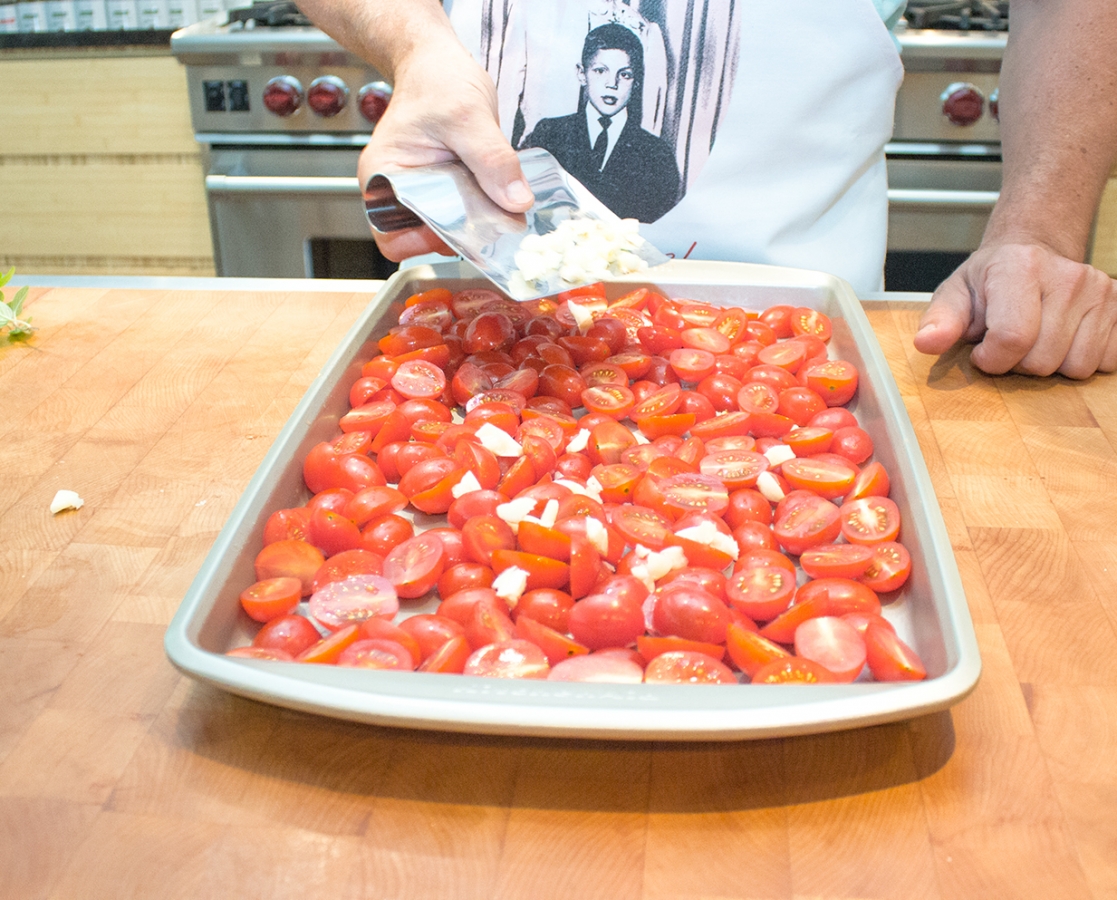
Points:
(518, 192)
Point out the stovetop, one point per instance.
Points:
(982, 15)
(272, 13)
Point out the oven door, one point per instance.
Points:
(289, 212)
(939, 200)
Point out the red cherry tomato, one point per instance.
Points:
(351, 601)
(515, 658)
(271, 598)
(687, 667)
(793, 670)
(832, 643)
(414, 566)
(870, 520)
(889, 658)
(606, 620)
(290, 633)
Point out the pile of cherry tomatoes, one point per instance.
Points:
(638, 490)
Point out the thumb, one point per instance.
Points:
(946, 318)
(496, 167)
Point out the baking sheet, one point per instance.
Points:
(931, 612)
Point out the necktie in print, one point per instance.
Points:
(601, 144)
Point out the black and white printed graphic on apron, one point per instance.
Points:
(625, 93)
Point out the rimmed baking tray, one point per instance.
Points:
(930, 613)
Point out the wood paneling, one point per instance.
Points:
(99, 169)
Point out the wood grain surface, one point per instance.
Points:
(119, 778)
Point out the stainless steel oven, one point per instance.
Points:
(282, 113)
(944, 160)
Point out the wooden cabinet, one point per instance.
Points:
(1103, 254)
(99, 170)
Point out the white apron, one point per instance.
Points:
(775, 116)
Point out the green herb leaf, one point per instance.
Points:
(10, 312)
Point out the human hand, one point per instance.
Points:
(1028, 310)
(443, 107)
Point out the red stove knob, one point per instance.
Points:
(962, 103)
(327, 95)
(373, 100)
(995, 104)
(283, 95)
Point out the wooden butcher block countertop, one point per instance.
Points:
(120, 778)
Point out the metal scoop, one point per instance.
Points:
(447, 198)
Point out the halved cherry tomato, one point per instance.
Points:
(271, 598)
(688, 611)
(889, 568)
(832, 643)
(349, 562)
(430, 631)
(836, 560)
(353, 600)
(555, 645)
(376, 653)
(514, 658)
(826, 477)
(542, 572)
(871, 481)
(834, 380)
(870, 520)
(813, 521)
(291, 633)
(606, 620)
(810, 321)
(687, 667)
(414, 566)
(292, 557)
(749, 651)
(889, 657)
(601, 667)
(793, 670)
(761, 592)
(328, 649)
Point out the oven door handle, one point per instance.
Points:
(282, 184)
(922, 198)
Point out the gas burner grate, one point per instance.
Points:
(272, 13)
(981, 15)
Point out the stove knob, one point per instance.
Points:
(962, 103)
(995, 104)
(327, 95)
(373, 100)
(283, 95)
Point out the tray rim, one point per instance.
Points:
(490, 706)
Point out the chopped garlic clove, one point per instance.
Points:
(549, 516)
(578, 442)
(707, 533)
(778, 454)
(583, 318)
(510, 585)
(597, 535)
(498, 441)
(515, 511)
(467, 485)
(769, 486)
(65, 500)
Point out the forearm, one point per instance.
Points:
(1058, 111)
(386, 33)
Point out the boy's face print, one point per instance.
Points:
(608, 81)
